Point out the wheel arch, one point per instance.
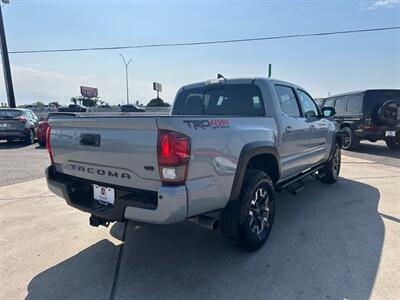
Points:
(257, 155)
(343, 125)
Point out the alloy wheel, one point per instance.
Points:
(346, 136)
(259, 212)
(336, 163)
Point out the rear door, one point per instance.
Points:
(318, 135)
(295, 134)
(340, 107)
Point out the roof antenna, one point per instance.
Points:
(219, 76)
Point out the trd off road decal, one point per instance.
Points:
(204, 124)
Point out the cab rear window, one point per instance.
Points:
(231, 99)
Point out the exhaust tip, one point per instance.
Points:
(206, 222)
(215, 225)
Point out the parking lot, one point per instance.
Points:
(328, 242)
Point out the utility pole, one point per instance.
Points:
(126, 77)
(6, 62)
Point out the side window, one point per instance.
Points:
(329, 102)
(355, 104)
(287, 100)
(340, 105)
(309, 107)
(256, 102)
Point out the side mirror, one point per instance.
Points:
(328, 111)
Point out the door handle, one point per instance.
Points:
(88, 139)
(289, 129)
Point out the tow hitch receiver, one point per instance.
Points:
(96, 221)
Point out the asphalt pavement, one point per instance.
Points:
(19, 162)
(337, 241)
(377, 152)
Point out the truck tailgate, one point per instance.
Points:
(117, 150)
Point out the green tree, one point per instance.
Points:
(90, 102)
(39, 104)
(157, 102)
(55, 103)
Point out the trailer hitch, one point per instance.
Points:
(96, 221)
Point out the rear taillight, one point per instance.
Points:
(21, 118)
(48, 144)
(173, 152)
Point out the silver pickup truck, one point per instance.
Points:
(217, 160)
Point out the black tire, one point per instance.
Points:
(247, 221)
(42, 143)
(30, 138)
(393, 144)
(330, 172)
(350, 141)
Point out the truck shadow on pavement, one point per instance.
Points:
(326, 243)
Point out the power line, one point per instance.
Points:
(208, 42)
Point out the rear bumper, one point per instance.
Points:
(167, 206)
(375, 134)
(12, 134)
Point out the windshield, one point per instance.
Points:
(10, 113)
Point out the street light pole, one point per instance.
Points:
(126, 77)
(6, 62)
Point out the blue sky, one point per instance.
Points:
(322, 65)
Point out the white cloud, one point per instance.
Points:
(383, 3)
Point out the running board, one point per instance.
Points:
(294, 185)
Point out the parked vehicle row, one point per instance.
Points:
(81, 108)
(367, 115)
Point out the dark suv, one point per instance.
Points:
(18, 123)
(368, 115)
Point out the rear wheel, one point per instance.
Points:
(330, 172)
(393, 144)
(247, 221)
(30, 137)
(349, 140)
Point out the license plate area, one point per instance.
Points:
(390, 133)
(104, 195)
